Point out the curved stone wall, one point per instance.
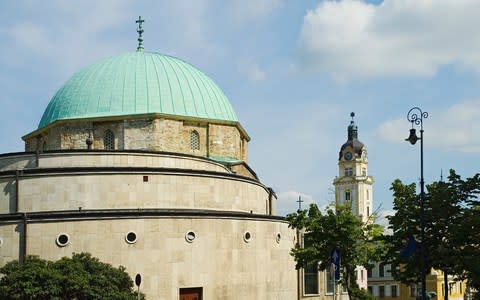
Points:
(220, 258)
(152, 133)
(67, 159)
(70, 181)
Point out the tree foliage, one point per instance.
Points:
(452, 228)
(79, 277)
(358, 242)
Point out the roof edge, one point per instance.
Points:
(137, 116)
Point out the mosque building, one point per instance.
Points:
(140, 160)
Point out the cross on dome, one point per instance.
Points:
(140, 31)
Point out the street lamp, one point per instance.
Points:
(416, 116)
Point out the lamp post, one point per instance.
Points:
(416, 116)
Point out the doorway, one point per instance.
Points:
(191, 293)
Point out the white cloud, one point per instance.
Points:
(246, 11)
(455, 129)
(351, 38)
(252, 70)
(73, 37)
(287, 202)
(34, 37)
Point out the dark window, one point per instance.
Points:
(393, 290)
(381, 270)
(131, 237)
(190, 236)
(347, 196)
(381, 291)
(62, 240)
(370, 290)
(348, 171)
(310, 279)
(109, 140)
(369, 273)
(247, 236)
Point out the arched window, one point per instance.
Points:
(109, 140)
(194, 140)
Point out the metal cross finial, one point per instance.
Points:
(300, 202)
(140, 31)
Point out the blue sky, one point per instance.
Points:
(293, 71)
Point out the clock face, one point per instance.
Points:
(348, 155)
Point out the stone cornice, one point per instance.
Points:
(106, 214)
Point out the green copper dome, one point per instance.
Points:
(139, 83)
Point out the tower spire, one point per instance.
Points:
(140, 31)
(352, 128)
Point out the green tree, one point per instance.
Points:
(452, 224)
(79, 277)
(359, 242)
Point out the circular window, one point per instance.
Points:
(190, 236)
(62, 240)
(278, 237)
(131, 237)
(247, 236)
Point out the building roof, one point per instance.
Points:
(139, 83)
(352, 140)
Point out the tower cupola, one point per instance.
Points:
(352, 142)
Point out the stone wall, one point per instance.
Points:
(225, 141)
(132, 190)
(154, 134)
(143, 180)
(219, 259)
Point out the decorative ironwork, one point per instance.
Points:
(416, 115)
(140, 31)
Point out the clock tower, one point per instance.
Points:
(353, 185)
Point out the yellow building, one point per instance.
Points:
(382, 285)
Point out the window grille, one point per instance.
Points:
(195, 140)
(109, 140)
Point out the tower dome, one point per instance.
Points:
(139, 83)
(352, 139)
